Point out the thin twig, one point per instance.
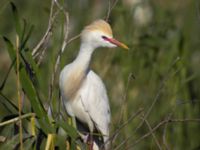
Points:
(152, 133)
(165, 127)
(123, 103)
(17, 119)
(164, 133)
(66, 33)
(73, 38)
(124, 99)
(47, 31)
(114, 4)
(162, 85)
(197, 120)
(110, 8)
(117, 131)
(43, 42)
(64, 44)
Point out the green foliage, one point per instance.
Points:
(29, 74)
(163, 57)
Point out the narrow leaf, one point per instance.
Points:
(16, 20)
(35, 102)
(8, 104)
(71, 131)
(10, 48)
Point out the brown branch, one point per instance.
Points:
(110, 8)
(73, 38)
(152, 133)
(43, 42)
(64, 44)
(197, 120)
(124, 99)
(165, 129)
(117, 131)
(164, 136)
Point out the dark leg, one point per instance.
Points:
(90, 142)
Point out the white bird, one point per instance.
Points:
(82, 90)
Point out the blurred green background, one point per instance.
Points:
(164, 57)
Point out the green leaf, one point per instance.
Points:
(8, 104)
(28, 143)
(31, 93)
(32, 63)
(10, 48)
(26, 38)
(6, 76)
(60, 141)
(71, 131)
(35, 102)
(16, 20)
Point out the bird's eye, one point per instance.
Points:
(104, 37)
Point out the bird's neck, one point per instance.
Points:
(84, 56)
(78, 72)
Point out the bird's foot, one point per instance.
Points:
(88, 139)
(90, 146)
(90, 142)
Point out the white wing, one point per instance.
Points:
(95, 101)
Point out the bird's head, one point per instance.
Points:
(99, 34)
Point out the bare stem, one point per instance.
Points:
(17, 119)
(197, 120)
(110, 8)
(152, 133)
(18, 94)
(117, 131)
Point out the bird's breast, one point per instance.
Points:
(71, 83)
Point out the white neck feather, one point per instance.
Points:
(84, 56)
(78, 71)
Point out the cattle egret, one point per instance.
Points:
(82, 90)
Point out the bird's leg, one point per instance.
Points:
(90, 141)
(74, 122)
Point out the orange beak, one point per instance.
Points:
(115, 42)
